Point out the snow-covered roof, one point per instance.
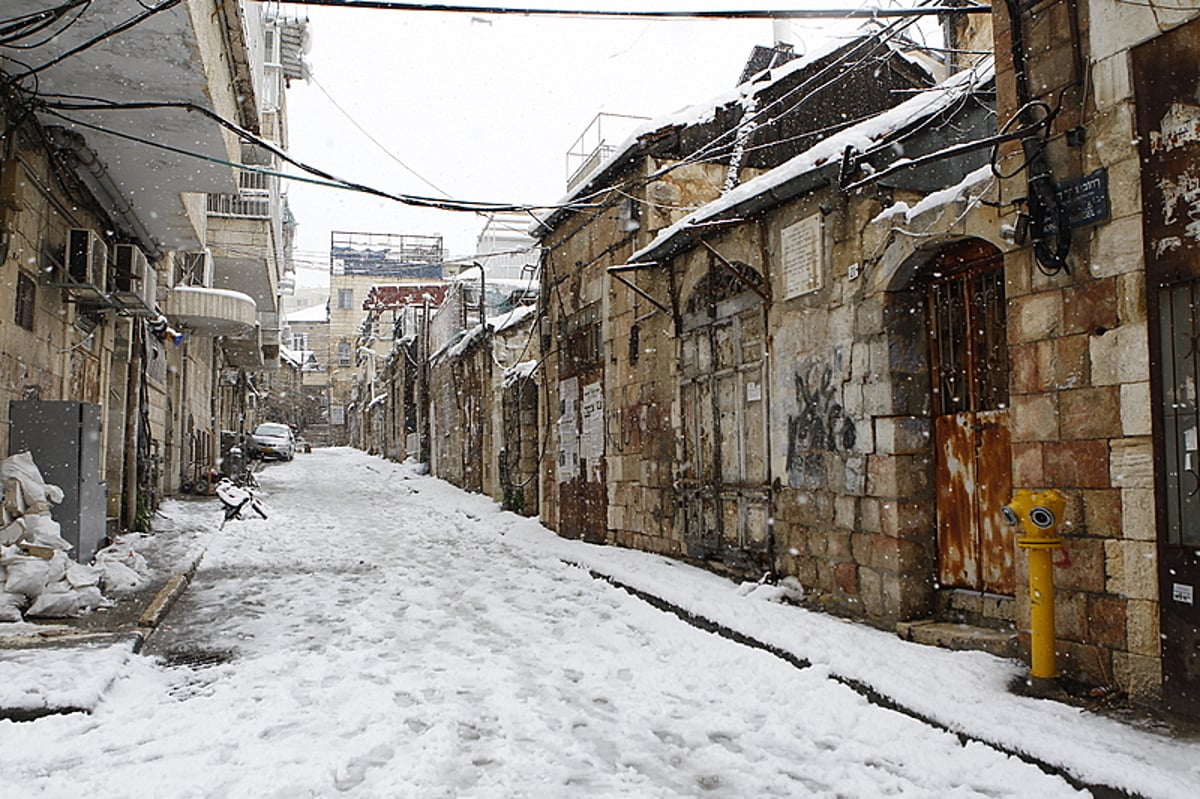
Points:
(313, 313)
(520, 371)
(862, 137)
(512, 318)
(698, 114)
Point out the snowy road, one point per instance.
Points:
(381, 636)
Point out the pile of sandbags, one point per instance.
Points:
(37, 577)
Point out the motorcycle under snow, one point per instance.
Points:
(237, 500)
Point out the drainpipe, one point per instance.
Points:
(95, 175)
(1049, 251)
(133, 418)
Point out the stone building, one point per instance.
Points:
(843, 368)
(109, 229)
(1102, 322)
(359, 262)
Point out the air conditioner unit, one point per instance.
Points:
(84, 275)
(194, 269)
(134, 283)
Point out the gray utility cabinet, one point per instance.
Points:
(64, 439)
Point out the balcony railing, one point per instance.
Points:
(257, 198)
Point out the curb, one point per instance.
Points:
(1098, 791)
(163, 601)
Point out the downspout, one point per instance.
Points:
(96, 176)
(1050, 250)
(133, 419)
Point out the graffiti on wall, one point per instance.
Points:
(818, 426)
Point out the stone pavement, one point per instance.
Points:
(29, 691)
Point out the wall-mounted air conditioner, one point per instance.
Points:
(193, 269)
(134, 282)
(84, 272)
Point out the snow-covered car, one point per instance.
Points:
(273, 440)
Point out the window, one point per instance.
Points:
(343, 349)
(345, 299)
(299, 342)
(26, 295)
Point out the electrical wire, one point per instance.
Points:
(375, 141)
(16, 29)
(812, 13)
(133, 21)
(322, 178)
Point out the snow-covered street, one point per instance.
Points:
(383, 634)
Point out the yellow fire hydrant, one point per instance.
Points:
(1039, 514)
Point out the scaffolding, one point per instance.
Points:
(386, 255)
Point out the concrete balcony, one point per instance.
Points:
(211, 312)
(192, 53)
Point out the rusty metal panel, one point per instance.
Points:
(997, 540)
(1166, 74)
(958, 556)
(969, 352)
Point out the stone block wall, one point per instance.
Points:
(1079, 356)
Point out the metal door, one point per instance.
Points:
(1179, 457)
(973, 473)
(724, 485)
(1166, 75)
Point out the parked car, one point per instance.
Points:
(273, 440)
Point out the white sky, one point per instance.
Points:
(486, 107)
(451, 651)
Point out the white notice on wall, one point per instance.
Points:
(592, 445)
(568, 430)
(568, 451)
(803, 253)
(1183, 594)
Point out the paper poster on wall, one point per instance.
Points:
(592, 444)
(568, 451)
(568, 430)
(803, 253)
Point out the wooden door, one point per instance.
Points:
(724, 485)
(973, 474)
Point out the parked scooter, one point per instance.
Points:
(236, 500)
(236, 491)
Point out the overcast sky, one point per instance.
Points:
(486, 107)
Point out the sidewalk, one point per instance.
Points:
(100, 643)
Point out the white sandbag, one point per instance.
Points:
(54, 493)
(26, 576)
(13, 532)
(44, 531)
(55, 604)
(122, 552)
(22, 468)
(81, 576)
(115, 576)
(59, 563)
(10, 606)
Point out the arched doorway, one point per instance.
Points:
(969, 378)
(724, 485)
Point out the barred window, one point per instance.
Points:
(26, 296)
